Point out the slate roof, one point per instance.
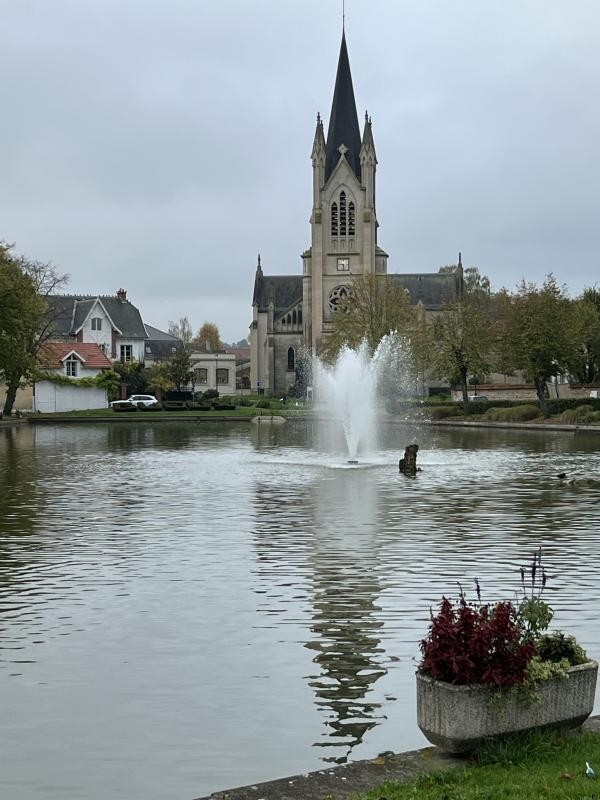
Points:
(68, 313)
(432, 289)
(160, 344)
(343, 121)
(52, 355)
(286, 291)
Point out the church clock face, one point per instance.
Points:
(343, 265)
(337, 297)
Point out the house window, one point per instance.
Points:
(71, 367)
(96, 323)
(126, 352)
(202, 375)
(334, 219)
(291, 359)
(222, 377)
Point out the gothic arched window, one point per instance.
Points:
(294, 317)
(351, 216)
(334, 219)
(283, 320)
(343, 214)
(291, 359)
(289, 319)
(300, 316)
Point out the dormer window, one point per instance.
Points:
(96, 323)
(71, 366)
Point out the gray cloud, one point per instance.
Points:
(160, 145)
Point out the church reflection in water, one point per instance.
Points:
(322, 534)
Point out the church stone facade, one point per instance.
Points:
(292, 313)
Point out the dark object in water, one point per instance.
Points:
(408, 464)
(562, 476)
(352, 461)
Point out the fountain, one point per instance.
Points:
(348, 389)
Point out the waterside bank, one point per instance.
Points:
(348, 780)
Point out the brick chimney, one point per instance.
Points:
(122, 295)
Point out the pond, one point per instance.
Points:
(186, 608)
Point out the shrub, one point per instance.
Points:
(223, 406)
(198, 406)
(440, 412)
(263, 404)
(123, 405)
(467, 644)
(174, 405)
(584, 413)
(210, 394)
(244, 402)
(556, 407)
(556, 647)
(521, 413)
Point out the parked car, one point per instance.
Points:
(138, 400)
(477, 398)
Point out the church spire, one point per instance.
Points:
(343, 129)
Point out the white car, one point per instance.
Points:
(138, 400)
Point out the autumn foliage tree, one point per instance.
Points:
(208, 338)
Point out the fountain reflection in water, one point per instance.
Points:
(349, 390)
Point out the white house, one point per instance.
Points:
(71, 361)
(111, 322)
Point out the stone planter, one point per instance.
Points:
(457, 718)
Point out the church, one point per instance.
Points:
(292, 314)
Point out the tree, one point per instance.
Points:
(179, 370)
(25, 320)
(461, 336)
(158, 378)
(540, 337)
(208, 338)
(585, 366)
(181, 330)
(373, 307)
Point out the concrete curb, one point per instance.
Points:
(528, 426)
(347, 780)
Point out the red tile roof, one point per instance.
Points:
(53, 354)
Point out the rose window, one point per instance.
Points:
(338, 296)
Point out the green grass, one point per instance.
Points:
(148, 416)
(526, 767)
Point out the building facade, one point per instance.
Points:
(293, 314)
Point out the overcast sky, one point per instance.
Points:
(160, 146)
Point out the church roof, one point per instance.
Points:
(343, 121)
(433, 290)
(286, 290)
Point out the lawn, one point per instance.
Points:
(147, 416)
(539, 765)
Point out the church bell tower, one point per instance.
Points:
(343, 220)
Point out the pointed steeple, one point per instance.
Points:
(368, 144)
(318, 148)
(343, 129)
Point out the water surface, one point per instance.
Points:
(187, 607)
